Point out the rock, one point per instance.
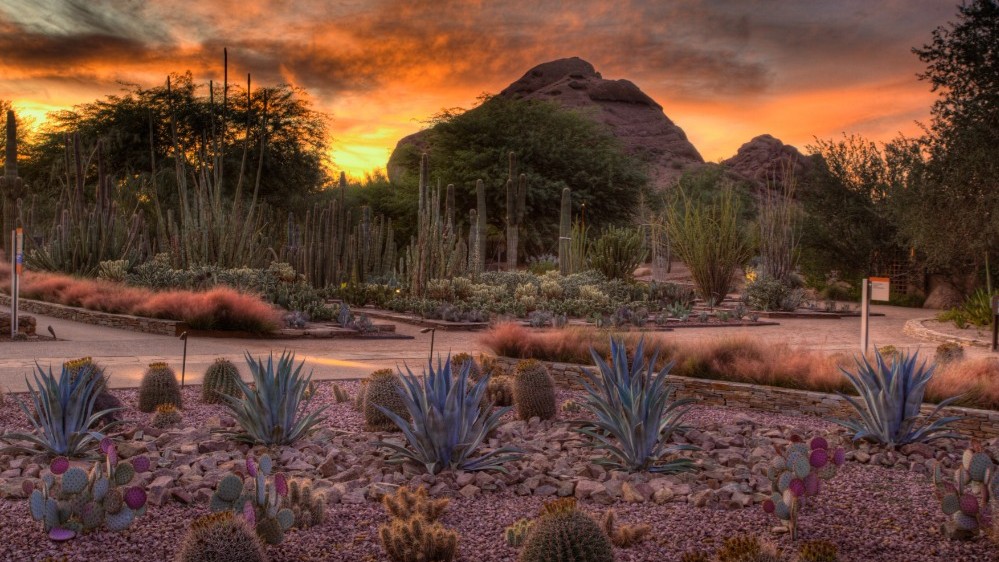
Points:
(328, 467)
(157, 492)
(129, 449)
(469, 491)
(212, 446)
(944, 294)
(700, 498)
(587, 488)
(765, 158)
(181, 495)
(545, 490)
(636, 493)
(663, 495)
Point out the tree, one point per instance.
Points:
(555, 148)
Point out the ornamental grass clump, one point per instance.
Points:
(64, 418)
(273, 410)
(634, 411)
(448, 425)
(890, 397)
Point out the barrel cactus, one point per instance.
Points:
(383, 390)
(221, 537)
(566, 534)
(158, 386)
(458, 361)
(499, 391)
(105, 400)
(818, 551)
(167, 415)
(220, 380)
(748, 548)
(534, 391)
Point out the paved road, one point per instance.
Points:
(126, 353)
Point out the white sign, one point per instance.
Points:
(879, 289)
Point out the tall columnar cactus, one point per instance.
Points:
(565, 533)
(264, 500)
(796, 475)
(516, 197)
(481, 224)
(534, 391)
(969, 498)
(449, 207)
(11, 187)
(82, 501)
(158, 386)
(565, 233)
(474, 269)
(383, 390)
(221, 537)
(220, 380)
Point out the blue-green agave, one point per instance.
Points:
(64, 415)
(890, 396)
(273, 412)
(635, 413)
(449, 422)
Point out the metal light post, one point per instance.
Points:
(433, 332)
(183, 364)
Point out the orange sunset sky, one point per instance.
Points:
(723, 70)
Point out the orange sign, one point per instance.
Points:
(879, 288)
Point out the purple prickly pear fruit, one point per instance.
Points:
(59, 465)
(106, 445)
(769, 506)
(135, 497)
(818, 458)
(251, 467)
(839, 456)
(113, 456)
(281, 484)
(58, 534)
(797, 487)
(812, 484)
(969, 505)
(819, 443)
(140, 463)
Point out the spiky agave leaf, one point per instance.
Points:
(63, 414)
(448, 423)
(635, 412)
(273, 412)
(890, 397)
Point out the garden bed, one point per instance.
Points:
(416, 320)
(96, 318)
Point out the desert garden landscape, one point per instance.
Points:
(548, 330)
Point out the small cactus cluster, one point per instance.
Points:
(534, 391)
(158, 386)
(105, 400)
(564, 532)
(490, 366)
(262, 505)
(818, 551)
(167, 415)
(83, 501)
(798, 474)
(413, 533)
(948, 352)
(359, 399)
(340, 395)
(221, 537)
(309, 509)
(458, 363)
(516, 534)
(383, 390)
(748, 548)
(499, 391)
(570, 406)
(968, 499)
(624, 536)
(220, 380)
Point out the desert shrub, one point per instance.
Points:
(948, 352)
(539, 265)
(617, 252)
(772, 295)
(975, 310)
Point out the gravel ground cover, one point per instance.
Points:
(879, 507)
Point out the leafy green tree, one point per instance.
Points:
(554, 147)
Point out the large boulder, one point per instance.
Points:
(766, 159)
(631, 116)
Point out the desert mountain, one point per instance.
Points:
(631, 115)
(766, 158)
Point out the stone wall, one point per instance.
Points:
(976, 423)
(120, 321)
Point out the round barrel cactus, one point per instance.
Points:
(563, 533)
(221, 537)
(383, 390)
(220, 380)
(159, 386)
(534, 391)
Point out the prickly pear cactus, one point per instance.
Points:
(969, 498)
(261, 501)
(72, 501)
(797, 474)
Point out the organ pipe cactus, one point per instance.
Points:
(634, 412)
(890, 397)
(797, 474)
(565, 233)
(481, 226)
(448, 424)
(968, 499)
(516, 195)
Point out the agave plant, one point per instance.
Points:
(635, 412)
(272, 412)
(892, 393)
(449, 422)
(64, 414)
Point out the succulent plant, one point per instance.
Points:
(516, 534)
(309, 509)
(64, 417)
(266, 501)
(458, 363)
(748, 548)
(158, 386)
(448, 424)
(696, 556)
(220, 380)
(105, 399)
(534, 391)
(82, 501)
(627, 401)
(413, 533)
(891, 393)
(500, 391)
(623, 536)
(796, 474)
(221, 537)
(406, 503)
(383, 392)
(273, 411)
(359, 399)
(570, 406)
(563, 532)
(818, 551)
(167, 415)
(969, 498)
(340, 395)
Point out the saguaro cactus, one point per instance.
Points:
(11, 186)
(565, 232)
(481, 226)
(516, 195)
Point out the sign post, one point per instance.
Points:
(17, 259)
(874, 288)
(995, 322)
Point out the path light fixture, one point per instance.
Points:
(433, 332)
(183, 363)
(51, 331)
